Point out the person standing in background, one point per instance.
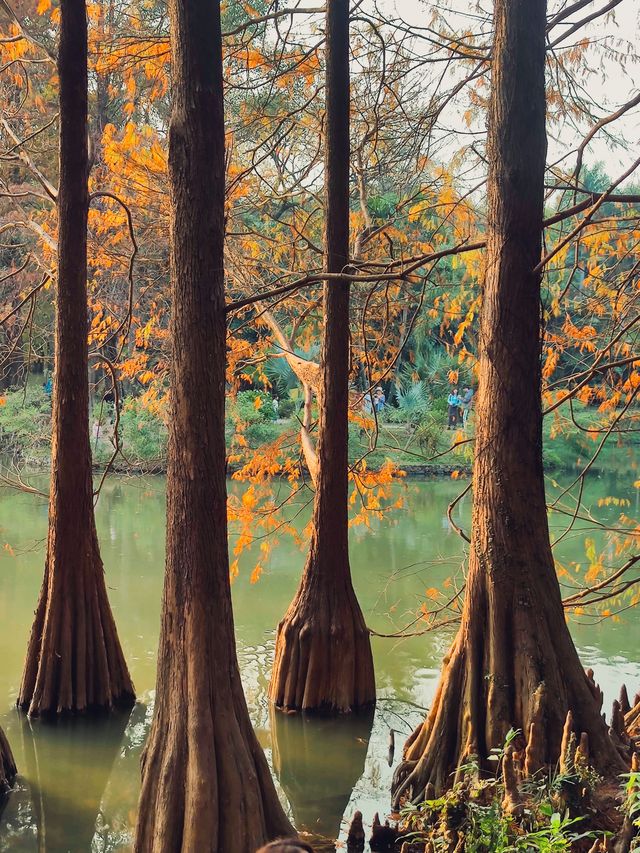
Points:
(453, 401)
(465, 405)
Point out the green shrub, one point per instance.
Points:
(143, 434)
(244, 409)
(412, 403)
(25, 420)
(261, 433)
(102, 411)
(286, 407)
(439, 408)
(427, 435)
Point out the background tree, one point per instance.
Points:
(513, 664)
(74, 660)
(323, 652)
(205, 781)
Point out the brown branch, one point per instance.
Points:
(24, 31)
(598, 126)
(413, 265)
(22, 155)
(116, 425)
(579, 24)
(572, 600)
(608, 432)
(272, 16)
(575, 231)
(126, 321)
(415, 262)
(450, 509)
(29, 295)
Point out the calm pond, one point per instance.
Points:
(79, 779)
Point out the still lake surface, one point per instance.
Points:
(79, 779)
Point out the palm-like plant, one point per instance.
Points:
(282, 378)
(412, 398)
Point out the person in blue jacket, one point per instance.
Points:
(453, 401)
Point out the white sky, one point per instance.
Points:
(610, 83)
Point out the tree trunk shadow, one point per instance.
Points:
(66, 767)
(318, 760)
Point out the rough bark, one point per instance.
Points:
(513, 662)
(7, 768)
(323, 653)
(206, 785)
(74, 659)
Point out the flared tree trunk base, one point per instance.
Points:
(323, 661)
(514, 670)
(206, 785)
(74, 659)
(7, 767)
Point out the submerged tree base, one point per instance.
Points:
(517, 800)
(7, 767)
(206, 785)
(511, 670)
(323, 661)
(74, 660)
(513, 695)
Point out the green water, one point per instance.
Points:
(79, 779)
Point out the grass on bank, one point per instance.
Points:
(253, 422)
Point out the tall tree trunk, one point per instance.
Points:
(323, 653)
(513, 663)
(74, 660)
(206, 785)
(7, 768)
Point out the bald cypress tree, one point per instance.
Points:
(7, 768)
(323, 655)
(74, 660)
(206, 785)
(513, 664)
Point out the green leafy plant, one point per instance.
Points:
(251, 407)
(412, 403)
(280, 375)
(631, 790)
(143, 433)
(25, 420)
(472, 813)
(427, 435)
(286, 407)
(557, 836)
(263, 432)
